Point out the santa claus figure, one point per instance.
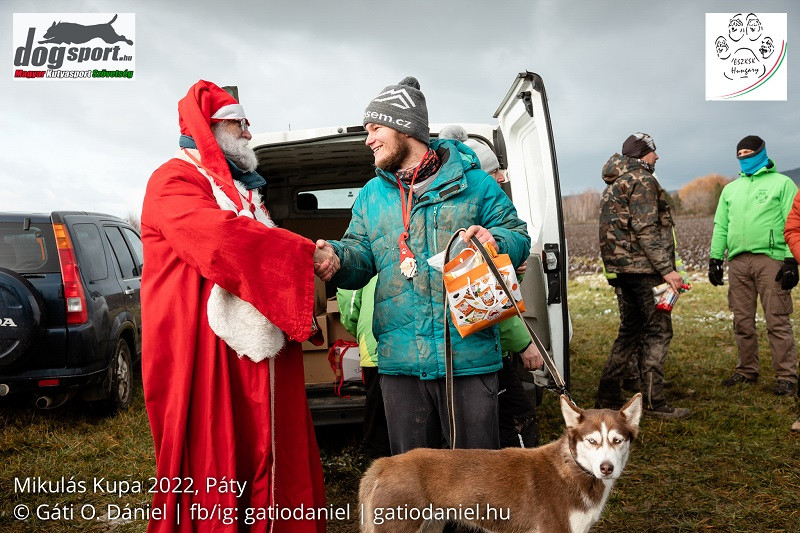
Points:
(226, 298)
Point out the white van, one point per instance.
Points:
(313, 177)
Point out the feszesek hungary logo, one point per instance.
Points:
(746, 56)
(73, 46)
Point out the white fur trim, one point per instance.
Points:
(242, 327)
(233, 320)
(228, 112)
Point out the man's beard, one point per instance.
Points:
(235, 148)
(393, 161)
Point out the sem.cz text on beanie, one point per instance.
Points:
(401, 107)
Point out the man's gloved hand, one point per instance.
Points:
(715, 271)
(787, 275)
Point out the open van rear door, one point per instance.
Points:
(530, 156)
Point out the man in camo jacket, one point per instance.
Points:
(636, 243)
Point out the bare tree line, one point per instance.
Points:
(581, 208)
(699, 197)
(134, 220)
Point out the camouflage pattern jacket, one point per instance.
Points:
(635, 221)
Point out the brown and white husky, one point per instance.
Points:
(560, 487)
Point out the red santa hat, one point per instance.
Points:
(206, 104)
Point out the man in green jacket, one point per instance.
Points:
(749, 223)
(424, 190)
(355, 313)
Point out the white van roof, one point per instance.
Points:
(260, 139)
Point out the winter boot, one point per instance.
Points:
(609, 394)
(656, 405)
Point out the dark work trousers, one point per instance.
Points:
(518, 428)
(376, 434)
(633, 371)
(416, 412)
(641, 322)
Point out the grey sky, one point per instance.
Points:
(610, 68)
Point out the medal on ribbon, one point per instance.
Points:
(408, 263)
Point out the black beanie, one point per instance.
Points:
(638, 145)
(401, 107)
(751, 142)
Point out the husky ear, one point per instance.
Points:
(571, 412)
(633, 411)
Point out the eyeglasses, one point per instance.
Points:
(242, 123)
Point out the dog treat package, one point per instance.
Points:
(475, 298)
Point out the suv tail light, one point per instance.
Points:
(77, 312)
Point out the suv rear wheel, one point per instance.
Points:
(119, 398)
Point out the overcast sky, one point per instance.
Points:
(610, 68)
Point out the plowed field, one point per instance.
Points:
(694, 238)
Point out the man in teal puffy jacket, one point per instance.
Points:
(423, 192)
(749, 223)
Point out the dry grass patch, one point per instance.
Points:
(732, 467)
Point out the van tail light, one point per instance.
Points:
(77, 311)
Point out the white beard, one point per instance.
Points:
(235, 148)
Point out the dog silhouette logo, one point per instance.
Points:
(73, 33)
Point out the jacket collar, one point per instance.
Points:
(456, 159)
(766, 169)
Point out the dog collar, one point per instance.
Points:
(575, 459)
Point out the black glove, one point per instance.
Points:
(787, 275)
(715, 271)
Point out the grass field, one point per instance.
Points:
(732, 466)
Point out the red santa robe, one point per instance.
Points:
(209, 408)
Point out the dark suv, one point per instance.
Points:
(70, 317)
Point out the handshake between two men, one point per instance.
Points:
(326, 262)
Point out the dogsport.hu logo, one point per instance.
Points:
(73, 46)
